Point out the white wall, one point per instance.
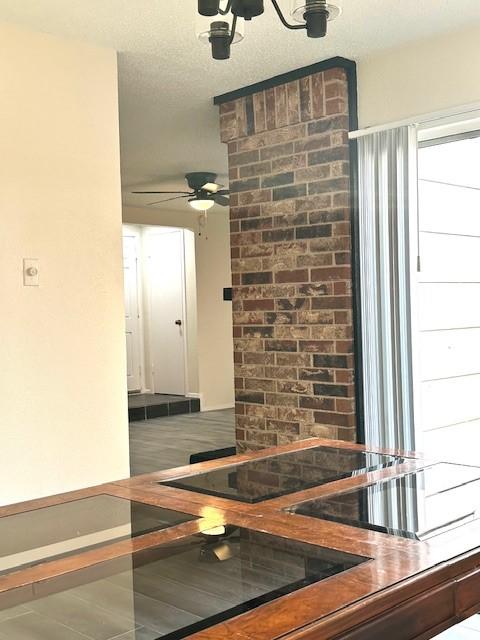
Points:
(419, 78)
(63, 414)
(214, 316)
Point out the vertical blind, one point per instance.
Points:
(387, 215)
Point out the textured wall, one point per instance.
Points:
(291, 251)
(63, 412)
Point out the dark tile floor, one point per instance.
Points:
(164, 443)
(144, 406)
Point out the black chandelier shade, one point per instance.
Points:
(315, 15)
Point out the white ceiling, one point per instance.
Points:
(167, 77)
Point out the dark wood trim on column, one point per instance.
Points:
(356, 288)
(296, 74)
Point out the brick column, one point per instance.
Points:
(291, 259)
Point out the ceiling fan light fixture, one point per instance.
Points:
(204, 192)
(212, 187)
(200, 204)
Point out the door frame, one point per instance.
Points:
(147, 233)
(457, 126)
(135, 232)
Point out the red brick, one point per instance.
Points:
(305, 98)
(259, 109)
(317, 346)
(318, 95)
(290, 248)
(293, 102)
(256, 305)
(334, 273)
(339, 419)
(281, 109)
(298, 275)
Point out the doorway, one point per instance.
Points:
(160, 320)
(165, 279)
(133, 332)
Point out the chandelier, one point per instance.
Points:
(225, 30)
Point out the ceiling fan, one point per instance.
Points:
(205, 192)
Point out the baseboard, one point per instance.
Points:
(218, 407)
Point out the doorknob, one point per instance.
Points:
(178, 323)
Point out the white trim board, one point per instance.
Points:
(219, 407)
(469, 115)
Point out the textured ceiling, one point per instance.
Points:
(167, 78)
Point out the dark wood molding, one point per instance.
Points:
(331, 63)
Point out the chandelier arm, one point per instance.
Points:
(282, 18)
(233, 28)
(223, 12)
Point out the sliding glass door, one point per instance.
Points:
(447, 318)
(419, 267)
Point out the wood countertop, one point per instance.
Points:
(407, 589)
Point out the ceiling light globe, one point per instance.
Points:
(201, 205)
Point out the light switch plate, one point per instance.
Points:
(31, 272)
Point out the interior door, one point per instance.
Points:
(132, 314)
(166, 260)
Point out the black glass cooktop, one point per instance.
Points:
(173, 590)
(418, 505)
(271, 477)
(32, 537)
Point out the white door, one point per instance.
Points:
(166, 260)
(132, 315)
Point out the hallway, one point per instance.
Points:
(163, 443)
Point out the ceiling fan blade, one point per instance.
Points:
(169, 199)
(223, 192)
(163, 192)
(221, 200)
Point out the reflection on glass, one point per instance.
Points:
(418, 505)
(173, 590)
(29, 538)
(283, 474)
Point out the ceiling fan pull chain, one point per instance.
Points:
(202, 225)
